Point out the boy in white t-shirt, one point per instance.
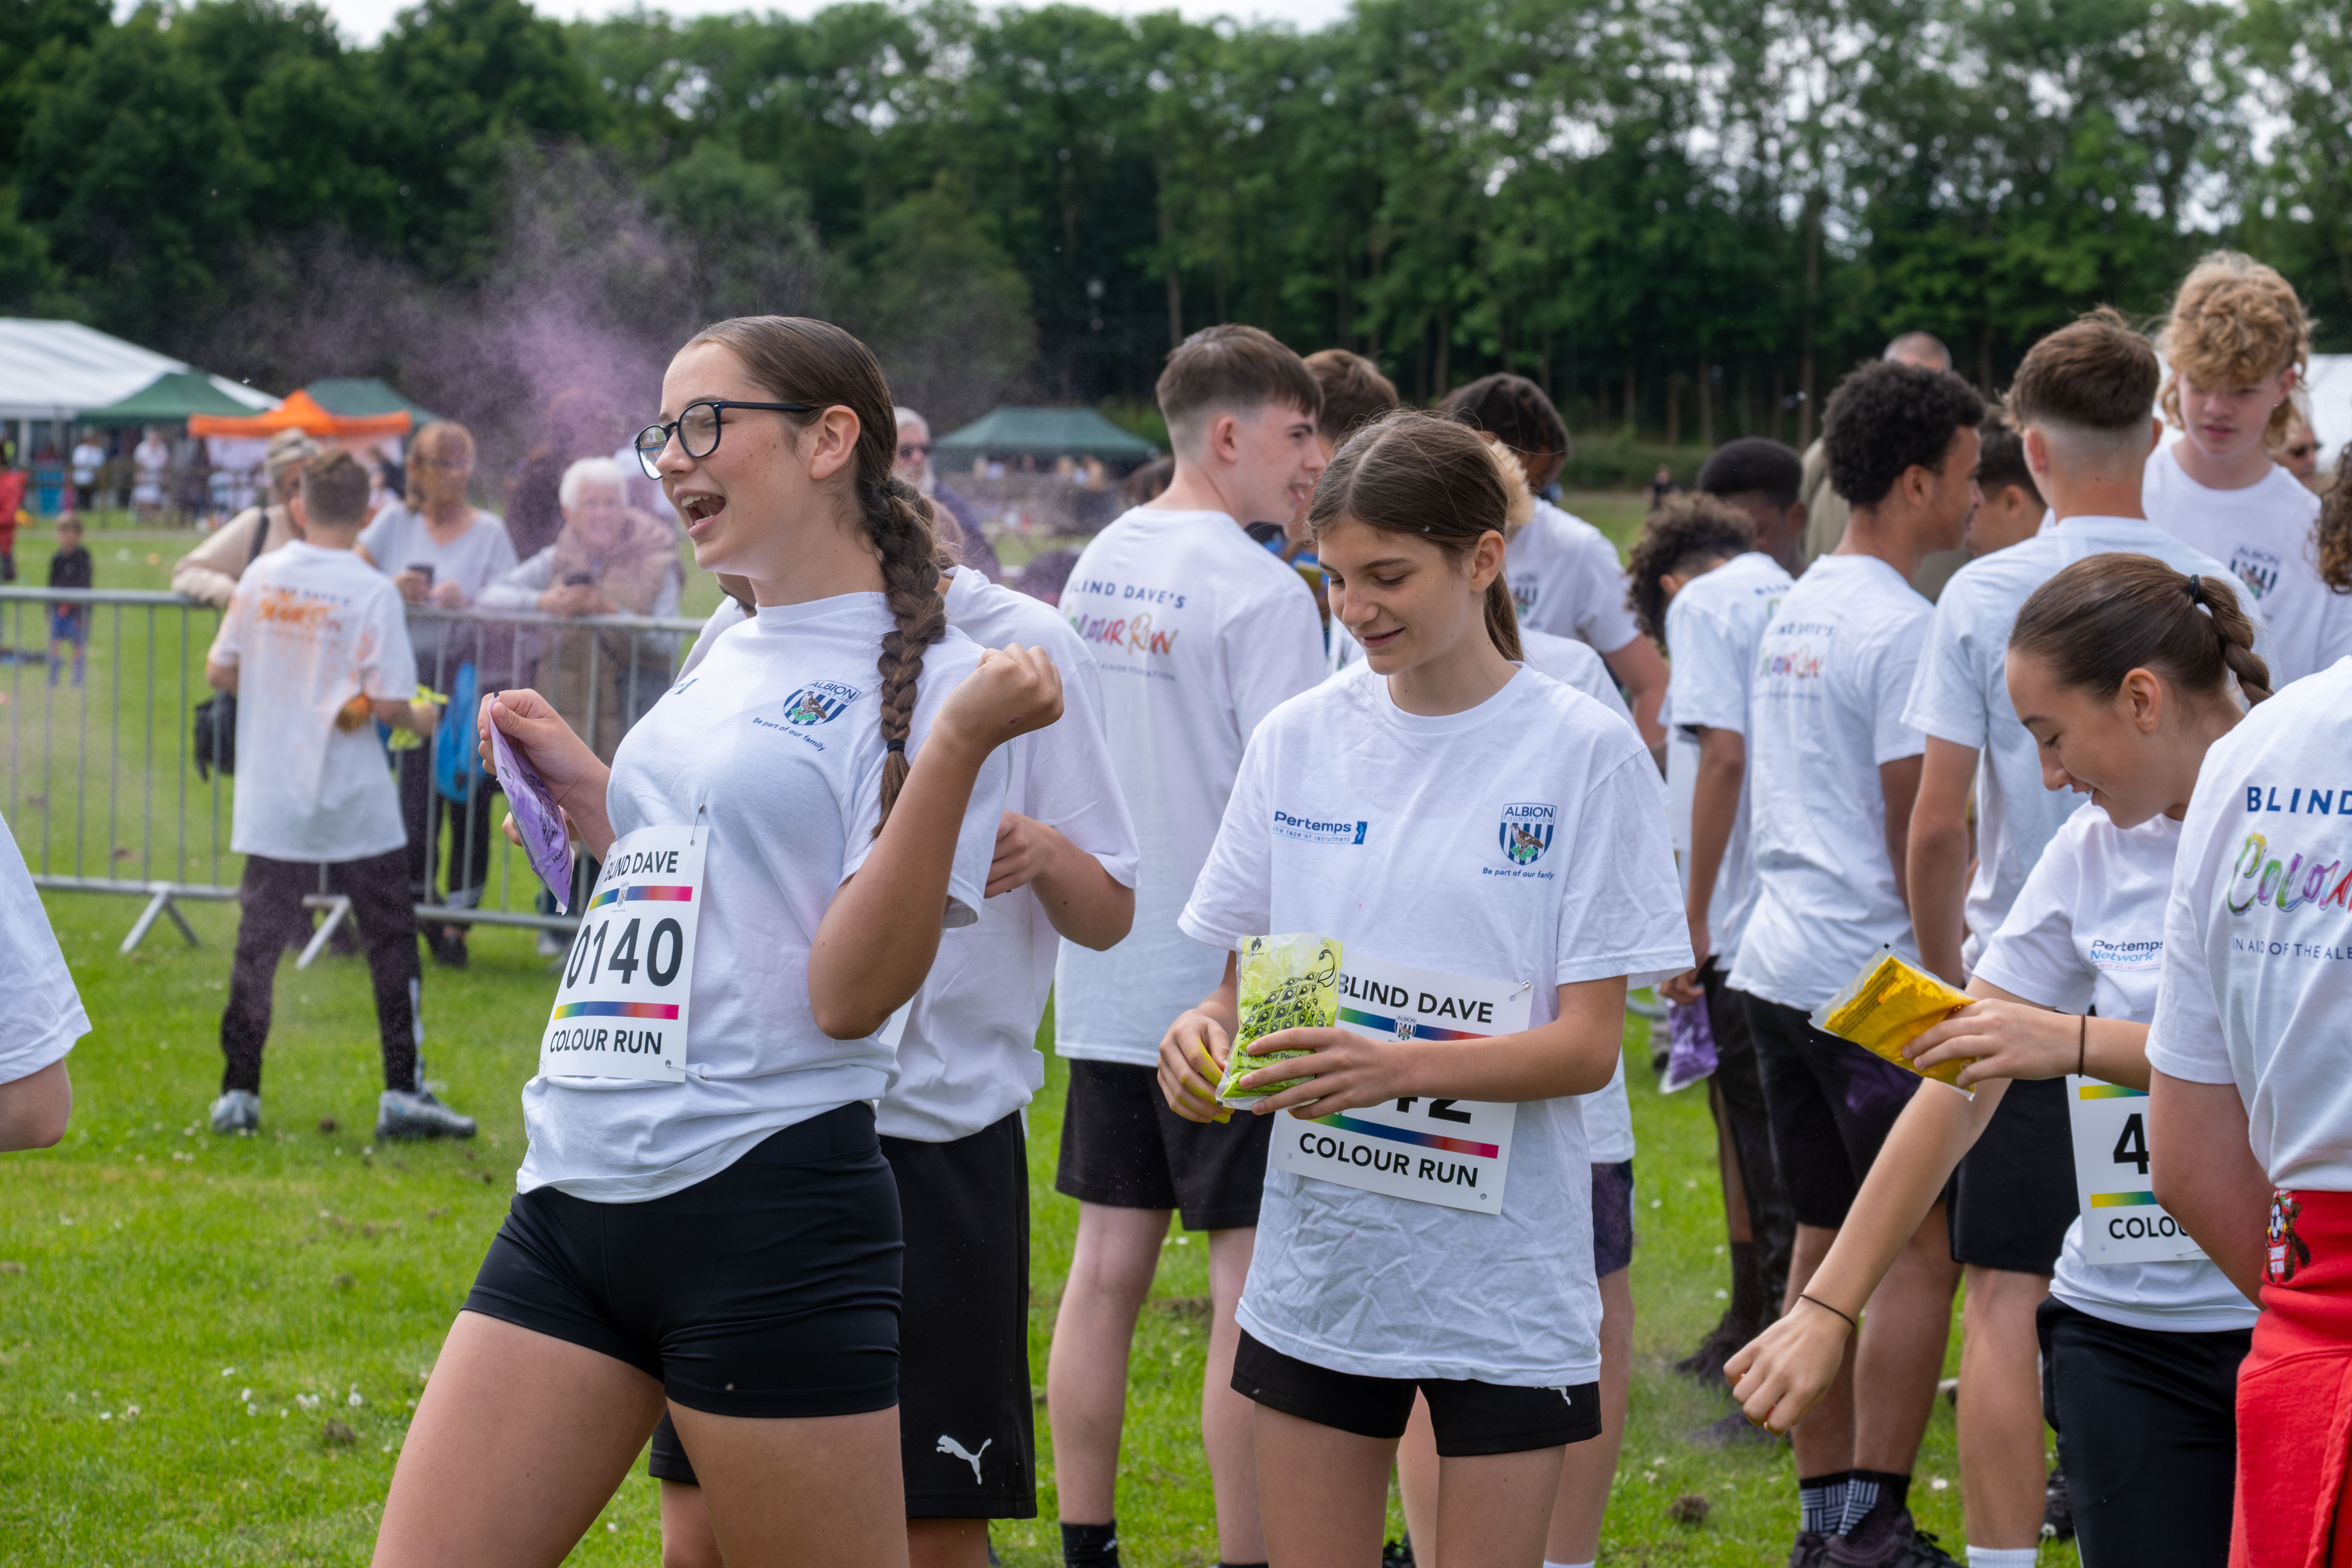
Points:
(315, 645)
(44, 1019)
(1564, 573)
(1199, 633)
(2082, 397)
(1833, 767)
(2236, 346)
(1705, 584)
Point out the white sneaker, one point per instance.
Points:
(402, 1114)
(238, 1111)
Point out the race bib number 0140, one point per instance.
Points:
(1454, 1153)
(2122, 1221)
(621, 1010)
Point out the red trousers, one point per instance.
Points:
(2295, 1395)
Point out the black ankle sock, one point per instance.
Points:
(1874, 1492)
(1821, 1500)
(1091, 1545)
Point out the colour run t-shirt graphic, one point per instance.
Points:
(2257, 979)
(1199, 633)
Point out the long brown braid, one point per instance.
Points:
(805, 361)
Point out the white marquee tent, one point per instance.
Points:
(56, 370)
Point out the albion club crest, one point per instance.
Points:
(818, 702)
(1526, 832)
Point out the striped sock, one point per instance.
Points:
(1821, 1500)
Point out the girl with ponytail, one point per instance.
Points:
(1461, 826)
(2126, 672)
(714, 1233)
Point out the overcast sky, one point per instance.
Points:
(364, 21)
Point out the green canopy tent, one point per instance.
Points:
(364, 396)
(1043, 434)
(169, 399)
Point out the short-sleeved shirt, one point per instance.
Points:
(397, 539)
(1713, 627)
(2084, 932)
(307, 631)
(2263, 533)
(2258, 934)
(1199, 633)
(1566, 579)
(45, 1015)
(1384, 1287)
(792, 810)
(1961, 693)
(1826, 713)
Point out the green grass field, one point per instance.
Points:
(181, 1315)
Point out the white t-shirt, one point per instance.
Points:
(968, 1056)
(1832, 673)
(2258, 935)
(307, 631)
(396, 539)
(792, 810)
(87, 459)
(45, 1015)
(2087, 931)
(1362, 1282)
(1961, 693)
(1608, 1113)
(2264, 532)
(1566, 579)
(1199, 633)
(1713, 627)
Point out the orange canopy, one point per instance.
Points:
(301, 412)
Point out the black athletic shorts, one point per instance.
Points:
(769, 1289)
(1469, 1417)
(2013, 1196)
(1831, 1105)
(2147, 1435)
(1612, 1218)
(966, 1440)
(1123, 1148)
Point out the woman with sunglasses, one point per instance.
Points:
(724, 1244)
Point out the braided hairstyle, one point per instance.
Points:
(2106, 615)
(802, 361)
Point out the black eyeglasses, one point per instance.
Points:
(697, 429)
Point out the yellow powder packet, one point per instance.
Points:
(1889, 1004)
(1284, 983)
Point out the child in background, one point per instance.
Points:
(2236, 347)
(69, 623)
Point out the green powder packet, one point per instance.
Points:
(1286, 982)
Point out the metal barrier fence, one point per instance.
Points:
(98, 776)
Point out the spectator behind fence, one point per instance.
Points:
(44, 1017)
(89, 457)
(610, 559)
(970, 545)
(439, 549)
(579, 422)
(315, 645)
(69, 623)
(11, 516)
(150, 460)
(209, 572)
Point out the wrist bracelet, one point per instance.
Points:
(2082, 1045)
(1825, 1307)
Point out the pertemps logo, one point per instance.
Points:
(818, 702)
(1526, 832)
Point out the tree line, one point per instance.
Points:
(1683, 217)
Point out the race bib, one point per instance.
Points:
(2122, 1221)
(1454, 1152)
(621, 1011)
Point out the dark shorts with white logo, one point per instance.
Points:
(1124, 1148)
(1469, 1417)
(966, 1432)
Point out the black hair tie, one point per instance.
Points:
(2196, 589)
(893, 745)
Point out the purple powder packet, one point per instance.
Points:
(537, 819)
(1690, 1049)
